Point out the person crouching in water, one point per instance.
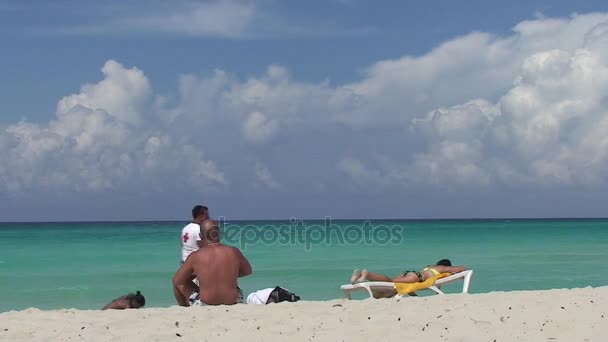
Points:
(130, 301)
(217, 268)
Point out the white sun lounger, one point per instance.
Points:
(382, 286)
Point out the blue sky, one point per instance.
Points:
(273, 109)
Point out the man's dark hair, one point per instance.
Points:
(136, 300)
(198, 210)
(444, 262)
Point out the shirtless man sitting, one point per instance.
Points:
(217, 268)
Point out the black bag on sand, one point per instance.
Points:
(280, 294)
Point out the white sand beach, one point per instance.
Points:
(552, 315)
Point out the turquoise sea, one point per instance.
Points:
(86, 264)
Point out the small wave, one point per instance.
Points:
(73, 288)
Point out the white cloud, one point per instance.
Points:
(477, 65)
(551, 127)
(216, 18)
(264, 177)
(277, 96)
(532, 107)
(261, 105)
(229, 19)
(97, 142)
(258, 128)
(529, 108)
(359, 173)
(123, 93)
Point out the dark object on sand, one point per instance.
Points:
(129, 301)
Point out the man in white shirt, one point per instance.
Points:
(191, 238)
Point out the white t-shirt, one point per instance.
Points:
(190, 236)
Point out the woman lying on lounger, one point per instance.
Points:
(443, 266)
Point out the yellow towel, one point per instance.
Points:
(407, 288)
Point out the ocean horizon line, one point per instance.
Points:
(289, 220)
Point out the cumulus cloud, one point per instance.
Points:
(549, 128)
(262, 106)
(528, 108)
(123, 93)
(477, 65)
(360, 173)
(98, 143)
(258, 128)
(264, 177)
(523, 109)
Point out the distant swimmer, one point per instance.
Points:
(217, 268)
(130, 301)
(442, 266)
(190, 238)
